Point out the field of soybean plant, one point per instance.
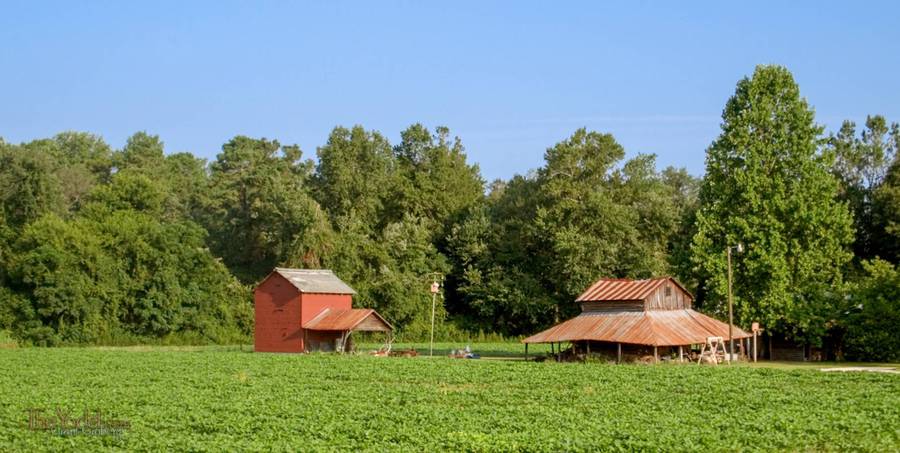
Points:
(218, 399)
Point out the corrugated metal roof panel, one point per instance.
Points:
(321, 281)
(607, 289)
(653, 328)
(344, 320)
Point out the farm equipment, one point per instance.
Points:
(463, 354)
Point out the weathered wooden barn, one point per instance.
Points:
(636, 317)
(303, 310)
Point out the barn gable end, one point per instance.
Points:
(668, 296)
(277, 309)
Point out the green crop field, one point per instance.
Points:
(219, 399)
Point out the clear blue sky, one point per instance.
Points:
(510, 78)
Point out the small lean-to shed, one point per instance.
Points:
(640, 316)
(303, 310)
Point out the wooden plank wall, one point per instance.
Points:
(667, 297)
(372, 324)
(611, 306)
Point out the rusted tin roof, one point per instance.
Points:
(321, 281)
(607, 289)
(652, 328)
(345, 320)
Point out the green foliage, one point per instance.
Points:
(136, 245)
(240, 401)
(28, 186)
(388, 208)
(540, 240)
(768, 187)
(873, 314)
(886, 213)
(356, 176)
(862, 164)
(90, 280)
(259, 210)
(436, 183)
(117, 268)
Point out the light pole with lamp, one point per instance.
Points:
(435, 289)
(738, 248)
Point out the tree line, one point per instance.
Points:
(99, 245)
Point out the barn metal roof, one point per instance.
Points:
(653, 328)
(344, 320)
(607, 289)
(321, 281)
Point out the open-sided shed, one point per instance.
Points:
(302, 310)
(637, 315)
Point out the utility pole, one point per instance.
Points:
(739, 248)
(435, 288)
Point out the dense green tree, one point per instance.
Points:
(29, 187)
(67, 283)
(355, 176)
(540, 240)
(499, 286)
(51, 175)
(861, 165)
(768, 187)
(188, 186)
(684, 190)
(595, 220)
(116, 272)
(260, 206)
(181, 176)
(128, 191)
(436, 183)
(82, 161)
(871, 315)
(886, 215)
(142, 152)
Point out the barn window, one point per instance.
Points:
(668, 291)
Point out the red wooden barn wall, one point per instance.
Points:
(281, 309)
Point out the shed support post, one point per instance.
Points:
(754, 346)
(619, 356)
(655, 355)
(588, 348)
(680, 355)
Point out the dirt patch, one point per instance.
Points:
(870, 369)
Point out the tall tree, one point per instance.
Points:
(542, 239)
(861, 164)
(29, 187)
(437, 184)
(355, 176)
(886, 215)
(142, 152)
(768, 187)
(684, 190)
(260, 212)
(596, 220)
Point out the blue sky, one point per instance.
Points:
(509, 78)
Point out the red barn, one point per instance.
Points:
(302, 310)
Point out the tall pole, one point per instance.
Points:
(431, 345)
(754, 346)
(730, 315)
